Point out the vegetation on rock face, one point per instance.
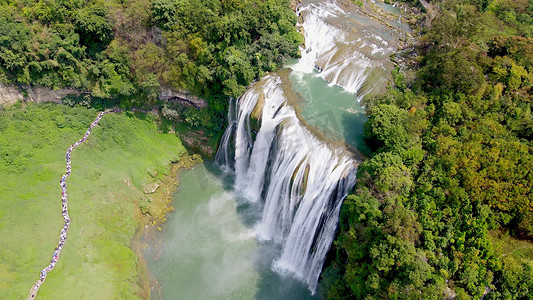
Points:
(113, 49)
(451, 177)
(221, 46)
(217, 48)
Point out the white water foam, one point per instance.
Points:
(340, 56)
(301, 180)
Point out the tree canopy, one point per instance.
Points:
(114, 50)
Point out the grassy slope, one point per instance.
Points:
(107, 173)
(505, 245)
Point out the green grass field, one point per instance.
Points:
(108, 171)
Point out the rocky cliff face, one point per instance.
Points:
(182, 97)
(10, 94)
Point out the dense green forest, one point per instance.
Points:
(444, 205)
(121, 52)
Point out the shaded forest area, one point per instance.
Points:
(122, 52)
(444, 206)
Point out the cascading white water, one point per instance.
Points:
(301, 180)
(344, 48)
(295, 184)
(224, 156)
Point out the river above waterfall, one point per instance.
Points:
(230, 230)
(330, 109)
(345, 58)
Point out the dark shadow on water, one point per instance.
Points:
(353, 125)
(227, 180)
(249, 213)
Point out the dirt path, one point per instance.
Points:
(64, 211)
(519, 248)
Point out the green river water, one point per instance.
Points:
(330, 109)
(207, 248)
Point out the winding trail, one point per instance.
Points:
(519, 248)
(64, 210)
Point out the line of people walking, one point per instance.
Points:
(64, 201)
(64, 207)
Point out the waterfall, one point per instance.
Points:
(344, 47)
(300, 180)
(224, 156)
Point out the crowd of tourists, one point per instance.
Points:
(64, 203)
